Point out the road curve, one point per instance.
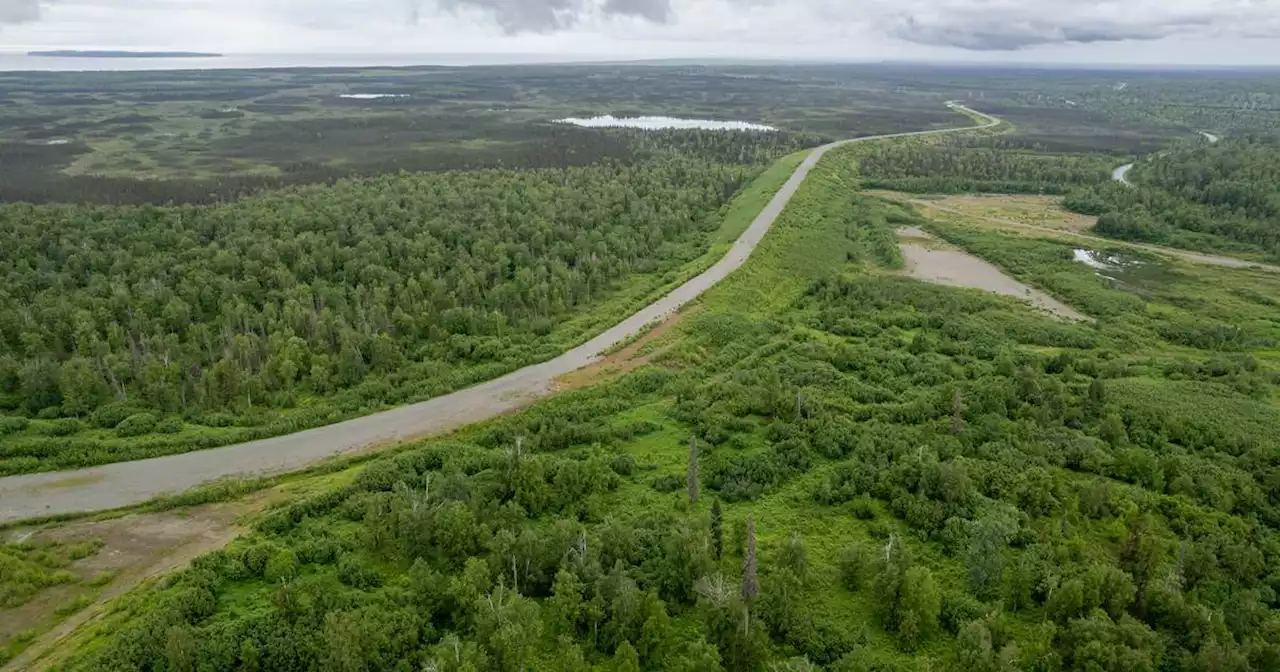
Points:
(128, 483)
(1121, 173)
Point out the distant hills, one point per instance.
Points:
(75, 53)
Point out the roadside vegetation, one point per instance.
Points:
(25, 569)
(830, 467)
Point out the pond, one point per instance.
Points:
(1140, 276)
(661, 123)
(371, 96)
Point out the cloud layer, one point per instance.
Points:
(987, 25)
(19, 11)
(972, 25)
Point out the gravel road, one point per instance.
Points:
(127, 483)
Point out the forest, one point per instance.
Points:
(827, 466)
(1223, 196)
(130, 331)
(958, 164)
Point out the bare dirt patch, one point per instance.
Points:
(932, 260)
(626, 360)
(136, 547)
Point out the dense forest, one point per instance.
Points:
(966, 164)
(140, 320)
(851, 471)
(1223, 196)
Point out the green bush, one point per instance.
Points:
(668, 483)
(49, 413)
(63, 427)
(108, 416)
(169, 425)
(12, 424)
(136, 425)
(623, 465)
(218, 419)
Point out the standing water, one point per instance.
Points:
(660, 123)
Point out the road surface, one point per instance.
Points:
(127, 483)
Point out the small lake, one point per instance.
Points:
(1139, 276)
(662, 123)
(371, 96)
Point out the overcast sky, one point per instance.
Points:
(1083, 31)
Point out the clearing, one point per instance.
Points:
(932, 260)
(944, 212)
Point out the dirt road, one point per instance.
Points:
(127, 483)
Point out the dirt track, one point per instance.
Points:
(128, 483)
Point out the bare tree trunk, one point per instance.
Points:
(692, 481)
(750, 582)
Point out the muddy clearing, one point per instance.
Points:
(932, 260)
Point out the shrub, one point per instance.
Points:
(136, 425)
(218, 419)
(855, 565)
(169, 425)
(668, 483)
(623, 464)
(352, 573)
(108, 416)
(63, 427)
(49, 413)
(12, 424)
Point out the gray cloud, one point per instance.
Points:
(547, 16)
(657, 11)
(19, 11)
(523, 16)
(1007, 25)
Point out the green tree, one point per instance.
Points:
(625, 658)
(81, 387)
(919, 608)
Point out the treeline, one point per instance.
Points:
(890, 476)
(978, 164)
(1222, 196)
(377, 290)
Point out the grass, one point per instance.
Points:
(28, 568)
